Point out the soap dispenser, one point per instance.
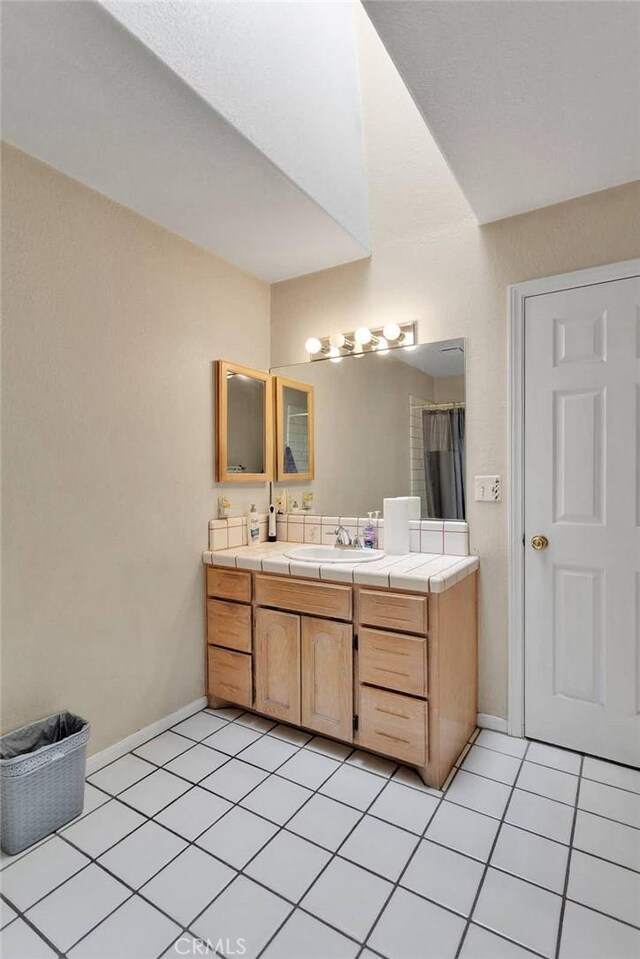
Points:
(254, 526)
(369, 535)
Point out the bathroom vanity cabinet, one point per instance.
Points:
(390, 671)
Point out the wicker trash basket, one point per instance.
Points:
(42, 771)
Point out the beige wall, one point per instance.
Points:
(110, 327)
(433, 263)
(449, 389)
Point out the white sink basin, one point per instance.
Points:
(333, 554)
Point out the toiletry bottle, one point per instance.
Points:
(379, 530)
(369, 535)
(254, 526)
(271, 535)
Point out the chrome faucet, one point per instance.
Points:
(342, 535)
(343, 538)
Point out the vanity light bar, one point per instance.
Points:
(391, 336)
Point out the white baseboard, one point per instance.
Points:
(136, 739)
(97, 761)
(497, 723)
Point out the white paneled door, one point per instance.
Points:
(582, 519)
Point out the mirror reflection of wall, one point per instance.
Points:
(388, 424)
(245, 442)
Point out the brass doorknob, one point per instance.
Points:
(539, 541)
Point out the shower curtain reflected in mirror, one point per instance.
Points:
(444, 462)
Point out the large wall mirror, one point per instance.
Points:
(244, 424)
(388, 424)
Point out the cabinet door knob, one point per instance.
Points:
(539, 541)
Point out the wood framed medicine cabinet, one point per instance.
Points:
(294, 430)
(244, 424)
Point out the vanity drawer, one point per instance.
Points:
(229, 624)
(393, 724)
(301, 596)
(388, 610)
(230, 676)
(229, 583)
(393, 661)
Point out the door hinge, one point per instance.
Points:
(355, 640)
(355, 724)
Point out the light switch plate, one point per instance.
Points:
(488, 489)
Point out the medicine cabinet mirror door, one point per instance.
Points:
(244, 424)
(294, 430)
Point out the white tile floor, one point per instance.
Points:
(230, 827)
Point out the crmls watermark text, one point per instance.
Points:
(186, 946)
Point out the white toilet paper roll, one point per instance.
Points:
(398, 510)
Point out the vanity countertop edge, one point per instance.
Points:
(417, 572)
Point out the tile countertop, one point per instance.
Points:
(420, 572)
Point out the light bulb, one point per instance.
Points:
(337, 340)
(407, 339)
(358, 351)
(334, 354)
(363, 335)
(392, 331)
(382, 346)
(313, 345)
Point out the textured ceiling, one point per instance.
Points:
(531, 103)
(228, 123)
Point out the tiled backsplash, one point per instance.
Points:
(233, 531)
(313, 528)
(425, 535)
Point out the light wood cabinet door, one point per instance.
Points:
(327, 677)
(294, 433)
(276, 665)
(244, 424)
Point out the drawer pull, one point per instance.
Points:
(385, 650)
(395, 739)
(393, 712)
